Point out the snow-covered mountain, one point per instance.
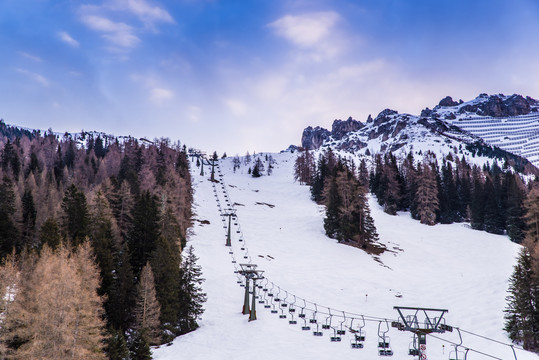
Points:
(444, 266)
(510, 123)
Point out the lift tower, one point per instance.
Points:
(421, 322)
(250, 273)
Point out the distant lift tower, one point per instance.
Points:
(421, 322)
(250, 273)
(204, 161)
(231, 213)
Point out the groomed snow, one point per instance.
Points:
(444, 266)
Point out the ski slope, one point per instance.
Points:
(444, 266)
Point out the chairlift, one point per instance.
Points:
(292, 311)
(327, 324)
(314, 320)
(359, 334)
(384, 347)
(413, 348)
(456, 354)
(341, 330)
(284, 303)
(301, 315)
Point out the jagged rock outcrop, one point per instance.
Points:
(500, 106)
(384, 116)
(313, 138)
(448, 101)
(340, 128)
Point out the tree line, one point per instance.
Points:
(91, 234)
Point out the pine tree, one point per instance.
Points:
(165, 262)
(514, 208)
(9, 237)
(116, 347)
(147, 308)
(29, 214)
(50, 234)
(191, 296)
(145, 230)
(333, 209)
(76, 219)
(521, 314)
(140, 349)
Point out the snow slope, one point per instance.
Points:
(444, 266)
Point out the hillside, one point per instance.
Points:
(444, 266)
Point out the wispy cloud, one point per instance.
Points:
(148, 14)
(34, 76)
(30, 56)
(65, 37)
(117, 33)
(305, 30)
(160, 95)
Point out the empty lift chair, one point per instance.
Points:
(456, 354)
(359, 334)
(413, 349)
(302, 315)
(314, 321)
(384, 346)
(292, 311)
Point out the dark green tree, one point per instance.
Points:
(29, 214)
(191, 296)
(9, 236)
(49, 234)
(332, 221)
(140, 349)
(76, 218)
(144, 231)
(522, 312)
(116, 347)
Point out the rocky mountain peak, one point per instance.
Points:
(341, 128)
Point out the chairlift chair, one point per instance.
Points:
(341, 330)
(413, 349)
(384, 347)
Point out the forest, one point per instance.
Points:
(93, 245)
(490, 198)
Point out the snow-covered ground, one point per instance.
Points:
(445, 267)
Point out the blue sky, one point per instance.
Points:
(249, 75)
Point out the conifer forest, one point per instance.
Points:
(94, 257)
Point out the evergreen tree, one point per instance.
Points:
(50, 234)
(522, 312)
(140, 349)
(116, 346)
(8, 231)
(145, 230)
(477, 205)
(165, 263)
(333, 210)
(76, 215)
(493, 220)
(29, 214)
(514, 208)
(191, 295)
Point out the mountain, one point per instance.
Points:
(497, 126)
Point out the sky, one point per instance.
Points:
(250, 75)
